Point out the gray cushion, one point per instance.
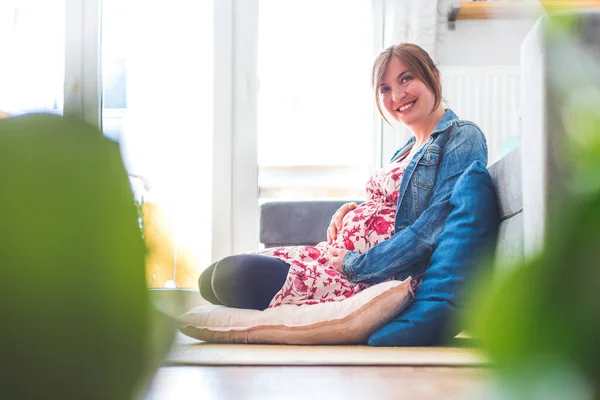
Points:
(509, 249)
(506, 175)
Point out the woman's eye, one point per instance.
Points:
(407, 78)
(384, 90)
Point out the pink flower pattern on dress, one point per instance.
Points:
(311, 279)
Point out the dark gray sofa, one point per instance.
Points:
(295, 223)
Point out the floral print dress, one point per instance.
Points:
(311, 279)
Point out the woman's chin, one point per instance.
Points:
(407, 120)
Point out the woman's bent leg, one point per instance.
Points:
(248, 280)
(205, 285)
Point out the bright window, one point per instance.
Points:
(32, 56)
(157, 102)
(315, 108)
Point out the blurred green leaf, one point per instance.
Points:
(78, 318)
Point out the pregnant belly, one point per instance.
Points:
(367, 225)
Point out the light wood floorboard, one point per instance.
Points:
(331, 383)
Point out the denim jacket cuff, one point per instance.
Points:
(349, 259)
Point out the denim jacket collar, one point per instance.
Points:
(444, 123)
(447, 119)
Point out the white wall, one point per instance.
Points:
(490, 48)
(481, 42)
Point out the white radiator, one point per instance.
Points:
(488, 96)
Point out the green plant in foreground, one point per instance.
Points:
(540, 322)
(77, 320)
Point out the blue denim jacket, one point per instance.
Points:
(423, 202)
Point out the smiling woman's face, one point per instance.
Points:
(404, 96)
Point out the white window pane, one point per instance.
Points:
(32, 33)
(315, 104)
(157, 102)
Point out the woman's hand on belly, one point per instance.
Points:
(336, 221)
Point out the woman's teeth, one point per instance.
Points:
(406, 107)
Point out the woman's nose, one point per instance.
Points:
(397, 95)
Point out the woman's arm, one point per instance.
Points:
(408, 251)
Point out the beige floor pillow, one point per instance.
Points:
(346, 322)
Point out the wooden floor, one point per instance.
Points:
(331, 383)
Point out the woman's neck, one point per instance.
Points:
(423, 130)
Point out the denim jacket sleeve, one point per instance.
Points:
(408, 251)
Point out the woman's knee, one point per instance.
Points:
(220, 277)
(226, 269)
(205, 285)
(226, 277)
(248, 280)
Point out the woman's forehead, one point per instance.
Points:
(394, 67)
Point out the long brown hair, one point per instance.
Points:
(417, 60)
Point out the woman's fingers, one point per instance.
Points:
(336, 221)
(333, 230)
(341, 213)
(331, 233)
(337, 256)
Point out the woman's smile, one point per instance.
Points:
(406, 107)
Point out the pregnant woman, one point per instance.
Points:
(391, 234)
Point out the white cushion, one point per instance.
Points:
(346, 322)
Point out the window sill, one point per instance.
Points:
(175, 302)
